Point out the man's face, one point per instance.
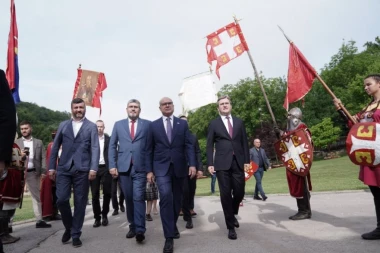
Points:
(257, 143)
(26, 130)
(100, 126)
(133, 110)
(78, 111)
(224, 107)
(166, 107)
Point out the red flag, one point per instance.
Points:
(250, 169)
(12, 73)
(89, 87)
(225, 44)
(300, 76)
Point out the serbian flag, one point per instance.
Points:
(89, 87)
(300, 76)
(12, 56)
(250, 169)
(225, 44)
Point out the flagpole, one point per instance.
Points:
(259, 81)
(324, 84)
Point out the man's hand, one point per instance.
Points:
(211, 170)
(114, 172)
(52, 174)
(192, 171)
(269, 168)
(199, 174)
(149, 177)
(91, 175)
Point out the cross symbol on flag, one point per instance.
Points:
(224, 45)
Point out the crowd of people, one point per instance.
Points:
(145, 160)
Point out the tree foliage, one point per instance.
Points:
(43, 120)
(324, 133)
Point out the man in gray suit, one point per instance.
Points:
(126, 161)
(77, 165)
(258, 155)
(34, 152)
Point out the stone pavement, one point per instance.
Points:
(339, 218)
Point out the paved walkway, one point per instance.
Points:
(337, 223)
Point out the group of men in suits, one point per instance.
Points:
(140, 152)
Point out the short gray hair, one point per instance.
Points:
(134, 101)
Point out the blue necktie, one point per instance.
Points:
(169, 129)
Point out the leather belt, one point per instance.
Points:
(30, 170)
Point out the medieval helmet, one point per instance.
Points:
(295, 112)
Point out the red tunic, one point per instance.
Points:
(295, 182)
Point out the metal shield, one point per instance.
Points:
(296, 152)
(363, 144)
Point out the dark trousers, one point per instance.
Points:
(133, 185)
(304, 203)
(80, 183)
(115, 201)
(192, 190)
(376, 197)
(170, 188)
(232, 188)
(186, 199)
(103, 177)
(259, 174)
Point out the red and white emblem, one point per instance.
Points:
(250, 169)
(296, 152)
(363, 144)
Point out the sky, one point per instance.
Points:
(146, 48)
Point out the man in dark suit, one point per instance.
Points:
(258, 156)
(77, 165)
(102, 177)
(228, 135)
(170, 159)
(127, 159)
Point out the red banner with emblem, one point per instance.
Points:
(296, 152)
(250, 169)
(363, 144)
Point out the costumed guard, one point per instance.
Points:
(296, 151)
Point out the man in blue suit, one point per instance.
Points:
(167, 148)
(127, 159)
(257, 154)
(77, 165)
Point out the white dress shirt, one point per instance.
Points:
(101, 144)
(77, 125)
(164, 121)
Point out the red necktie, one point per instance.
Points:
(133, 129)
(230, 129)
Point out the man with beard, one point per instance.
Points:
(228, 135)
(77, 165)
(299, 186)
(126, 159)
(33, 152)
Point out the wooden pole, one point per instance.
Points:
(353, 120)
(260, 83)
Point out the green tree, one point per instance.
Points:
(324, 134)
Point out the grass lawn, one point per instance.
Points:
(327, 175)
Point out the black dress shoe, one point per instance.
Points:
(140, 237)
(232, 234)
(97, 223)
(177, 235)
(104, 221)
(236, 223)
(77, 242)
(56, 217)
(122, 208)
(301, 216)
(189, 224)
(131, 234)
(374, 235)
(148, 217)
(66, 236)
(8, 239)
(115, 212)
(168, 248)
(265, 198)
(257, 198)
(42, 224)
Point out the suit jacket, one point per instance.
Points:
(197, 151)
(254, 156)
(105, 150)
(225, 146)
(81, 151)
(160, 153)
(39, 155)
(123, 150)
